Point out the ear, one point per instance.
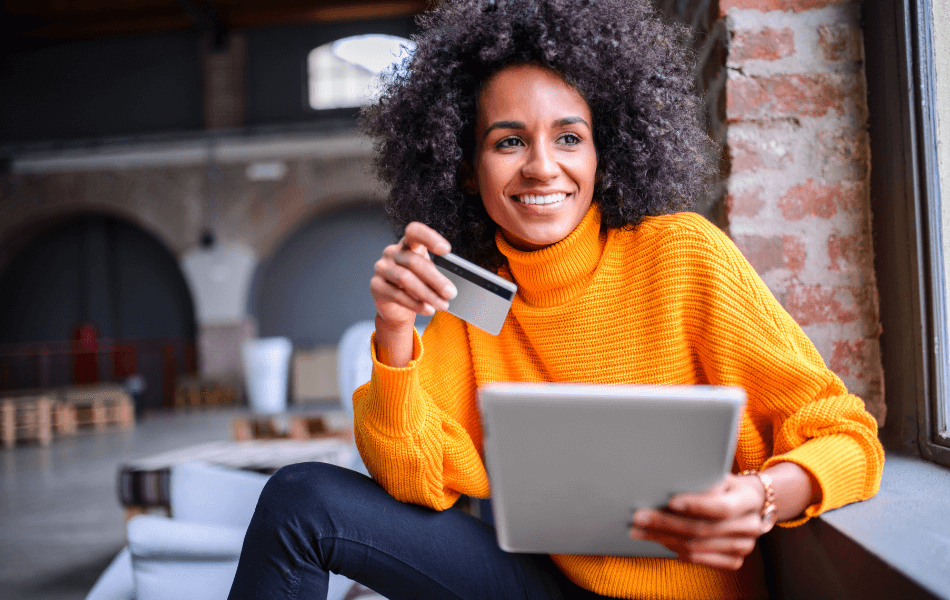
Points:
(469, 182)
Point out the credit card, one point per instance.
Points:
(483, 297)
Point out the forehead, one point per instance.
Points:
(525, 92)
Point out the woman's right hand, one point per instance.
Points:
(406, 283)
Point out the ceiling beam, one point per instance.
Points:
(206, 17)
(88, 19)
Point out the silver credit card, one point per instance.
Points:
(483, 297)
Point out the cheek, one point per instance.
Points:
(585, 172)
(493, 176)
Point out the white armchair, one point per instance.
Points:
(354, 368)
(354, 360)
(195, 553)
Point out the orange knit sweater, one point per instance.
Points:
(672, 302)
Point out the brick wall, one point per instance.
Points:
(224, 81)
(787, 99)
(170, 200)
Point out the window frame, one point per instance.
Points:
(405, 43)
(936, 440)
(905, 204)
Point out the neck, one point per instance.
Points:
(555, 274)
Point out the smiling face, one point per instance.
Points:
(535, 163)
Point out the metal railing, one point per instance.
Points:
(155, 362)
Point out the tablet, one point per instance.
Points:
(570, 463)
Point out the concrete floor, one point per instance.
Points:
(60, 518)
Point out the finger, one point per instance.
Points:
(425, 270)
(732, 499)
(407, 281)
(717, 561)
(732, 546)
(688, 527)
(421, 238)
(385, 291)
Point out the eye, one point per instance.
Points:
(570, 139)
(509, 142)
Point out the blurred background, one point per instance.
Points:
(177, 178)
(181, 176)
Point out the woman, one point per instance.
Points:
(553, 143)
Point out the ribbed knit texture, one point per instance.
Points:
(672, 302)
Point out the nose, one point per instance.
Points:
(540, 164)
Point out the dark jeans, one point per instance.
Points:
(313, 518)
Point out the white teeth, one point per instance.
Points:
(549, 199)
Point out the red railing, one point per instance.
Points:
(43, 365)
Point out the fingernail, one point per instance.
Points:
(451, 291)
(641, 517)
(637, 533)
(678, 504)
(427, 309)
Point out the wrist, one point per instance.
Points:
(394, 342)
(769, 511)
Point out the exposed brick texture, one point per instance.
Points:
(815, 304)
(812, 199)
(794, 96)
(798, 159)
(767, 253)
(745, 203)
(840, 42)
(844, 251)
(845, 153)
(852, 358)
(755, 154)
(762, 44)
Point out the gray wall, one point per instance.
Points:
(99, 269)
(316, 283)
(106, 87)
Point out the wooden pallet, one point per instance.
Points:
(64, 419)
(26, 418)
(193, 393)
(98, 407)
(298, 427)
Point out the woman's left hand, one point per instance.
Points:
(717, 528)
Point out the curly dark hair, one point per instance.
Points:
(634, 71)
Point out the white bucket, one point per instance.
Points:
(266, 366)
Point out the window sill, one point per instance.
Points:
(895, 545)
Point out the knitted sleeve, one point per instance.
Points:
(798, 410)
(415, 426)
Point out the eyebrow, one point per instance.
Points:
(520, 125)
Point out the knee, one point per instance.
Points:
(312, 487)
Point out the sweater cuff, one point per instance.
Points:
(389, 408)
(837, 464)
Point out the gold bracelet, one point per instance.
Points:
(768, 512)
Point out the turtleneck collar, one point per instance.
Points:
(556, 274)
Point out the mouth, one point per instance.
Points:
(537, 199)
